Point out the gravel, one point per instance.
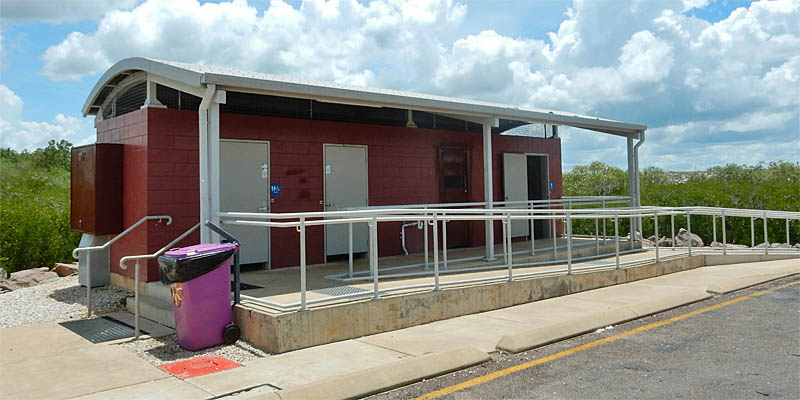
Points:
(165, 350)
(56, 301)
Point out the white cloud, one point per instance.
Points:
(60, 11)
(639, 61)
(19, 135)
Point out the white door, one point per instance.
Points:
(515, 187)
(244, 181)
(345, 186)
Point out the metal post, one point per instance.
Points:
(488, 189)
(504, 229)
(689, 231)
(373, 233)
(136, 302)
(444, 243)
(714, 227)
(604, 223)
(350, 250)
(425, 235)
(752, 233)
(302, 263)
(788, 238)
(569, 244)
(89, 284)
(435, 253)
(655, 229)
(616, 237)
(672, 225)
(510, 249)
(766, 238)
(533, 244)
(555, 239)
(724, 238)
(597, 236)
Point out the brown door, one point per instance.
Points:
(454, 188)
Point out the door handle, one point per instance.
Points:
(328, 204)
(264, 207)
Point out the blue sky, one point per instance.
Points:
(715, 81)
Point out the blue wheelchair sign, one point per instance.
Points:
(275, 189)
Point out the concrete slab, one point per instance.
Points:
(299, 367)
(477, 331)
(36, 341)
(166, 388)
(79, 371)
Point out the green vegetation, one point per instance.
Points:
(774, 186)
(34, 207)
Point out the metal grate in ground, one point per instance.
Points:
(340, 290)
(99, 330)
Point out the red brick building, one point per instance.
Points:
(281, 145)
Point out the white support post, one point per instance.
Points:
(531, 221)
(714, 227)
(213, 165)
(788, 237)
(689, 231)
(509, 249)
(569, 244)
(752, 232)
(488, 189)
(444, 243)
(766, 237)
(655, 229)
(350, 250)
(672, 229)
(373, 239)
(724, 238)
(597, 236)
(425, 238)
(302, 229)
(203, 159)
(616, 238)
(555, 239)
(604, 223)
(435, 252)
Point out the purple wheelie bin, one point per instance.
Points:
(200, 283)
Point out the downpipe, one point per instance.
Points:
(636, 183)
(205, 196)
(403, 234)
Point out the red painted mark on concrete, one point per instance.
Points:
(198, 366)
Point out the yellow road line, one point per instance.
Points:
(510, 370)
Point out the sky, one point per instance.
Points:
(715, 81)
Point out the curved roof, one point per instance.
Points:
(197, 76)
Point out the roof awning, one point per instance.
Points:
(193, 78)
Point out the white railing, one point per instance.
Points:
(436, 217)
(89, 250)
(123, 264)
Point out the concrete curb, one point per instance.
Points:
(527, 340)
(733, 285)
(385, 377)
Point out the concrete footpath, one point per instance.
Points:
(49, 361)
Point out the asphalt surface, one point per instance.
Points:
(746, 350)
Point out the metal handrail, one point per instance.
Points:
(124, 260)
(90, 249)
(435, 216)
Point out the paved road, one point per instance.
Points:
(740, 350)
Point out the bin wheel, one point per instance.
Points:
(231, 334)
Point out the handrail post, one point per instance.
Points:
(88, 284)
(604, 223)
(788, 238)
(555, 237)
(136, 301)
(689, 230)
(766, 238)
(435, 253)
(504, 229)
(350, 250)
(425, 236)
(597, 236)
(655, 229)
(510, 249)
(724, 238)
(303, 264)
(752, 233)
(672, 229)
(373, 235)
(531, 227)
(569, 244)
(714, 227)
(616, 237)
(444, 243)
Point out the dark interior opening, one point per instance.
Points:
(538, 190)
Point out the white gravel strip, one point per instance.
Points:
(165, 350)
(56, 301)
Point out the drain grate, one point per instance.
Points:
(99, 330)
(341, 290)
(245, 286)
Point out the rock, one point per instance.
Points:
(797, 245)
(715, 244)
(652, 239)
(7, 285)
(682, 239)
(780, 246)
(33, 277)
(762, 245)
(665, 242)
(648, 243)
(65, 269)
(2, 274)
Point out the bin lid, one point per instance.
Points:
(203, 248)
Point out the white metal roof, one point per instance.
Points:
(197, 76)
